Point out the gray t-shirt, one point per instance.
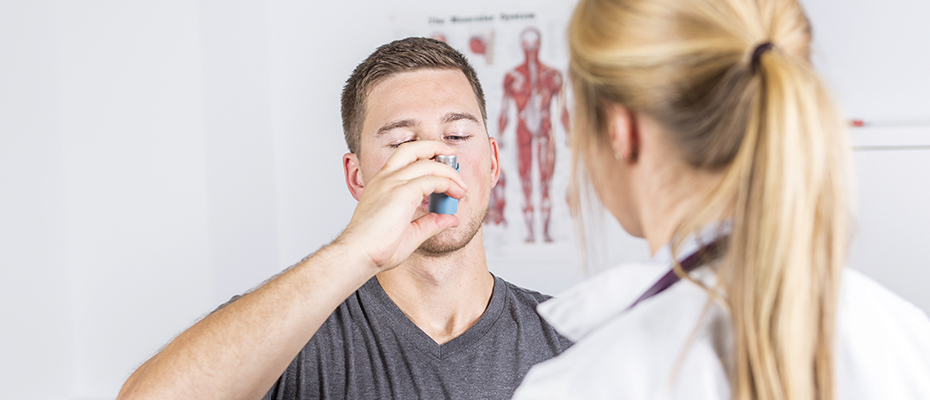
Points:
(369, 349)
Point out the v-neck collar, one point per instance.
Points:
(372, 293)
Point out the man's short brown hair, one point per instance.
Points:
(405, 55)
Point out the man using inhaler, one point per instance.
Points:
(401, 305)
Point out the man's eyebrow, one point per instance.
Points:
(404, 123)
(455, 116)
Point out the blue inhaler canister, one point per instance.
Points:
(440, 203)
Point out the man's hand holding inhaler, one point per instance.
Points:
(384, 225)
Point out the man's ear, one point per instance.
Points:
(354, 179)
(624, 132)
(495, 161)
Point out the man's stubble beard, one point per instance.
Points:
(439, 245)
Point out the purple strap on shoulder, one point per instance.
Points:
(690, 263)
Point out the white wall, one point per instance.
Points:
(158, 157)
(36, 324)
(239, 144)
(136, 183)
(875, 57)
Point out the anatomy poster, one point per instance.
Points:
(521, 58)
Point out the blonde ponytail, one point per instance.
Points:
(782, 271)
(771, 129)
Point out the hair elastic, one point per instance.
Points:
(760, 49)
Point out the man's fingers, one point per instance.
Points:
(429, 167)
(416, 150)
(427, 185)
(431, 224)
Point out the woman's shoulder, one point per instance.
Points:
(863, 293)
(633, 353)
(883, 343)
(869, 311)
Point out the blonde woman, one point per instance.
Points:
(702, 127)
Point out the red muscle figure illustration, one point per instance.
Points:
(532, 86)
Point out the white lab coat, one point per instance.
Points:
(883, 342)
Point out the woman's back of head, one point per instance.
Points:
(732, 85)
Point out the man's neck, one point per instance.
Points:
(444, 295)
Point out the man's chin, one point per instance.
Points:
(452, 239)
(448, 241)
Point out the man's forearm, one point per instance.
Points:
(239, 351)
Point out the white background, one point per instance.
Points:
(157, 157)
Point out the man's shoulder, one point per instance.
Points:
(521, 297)
(522, 303)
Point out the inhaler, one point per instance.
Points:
(440, 203)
